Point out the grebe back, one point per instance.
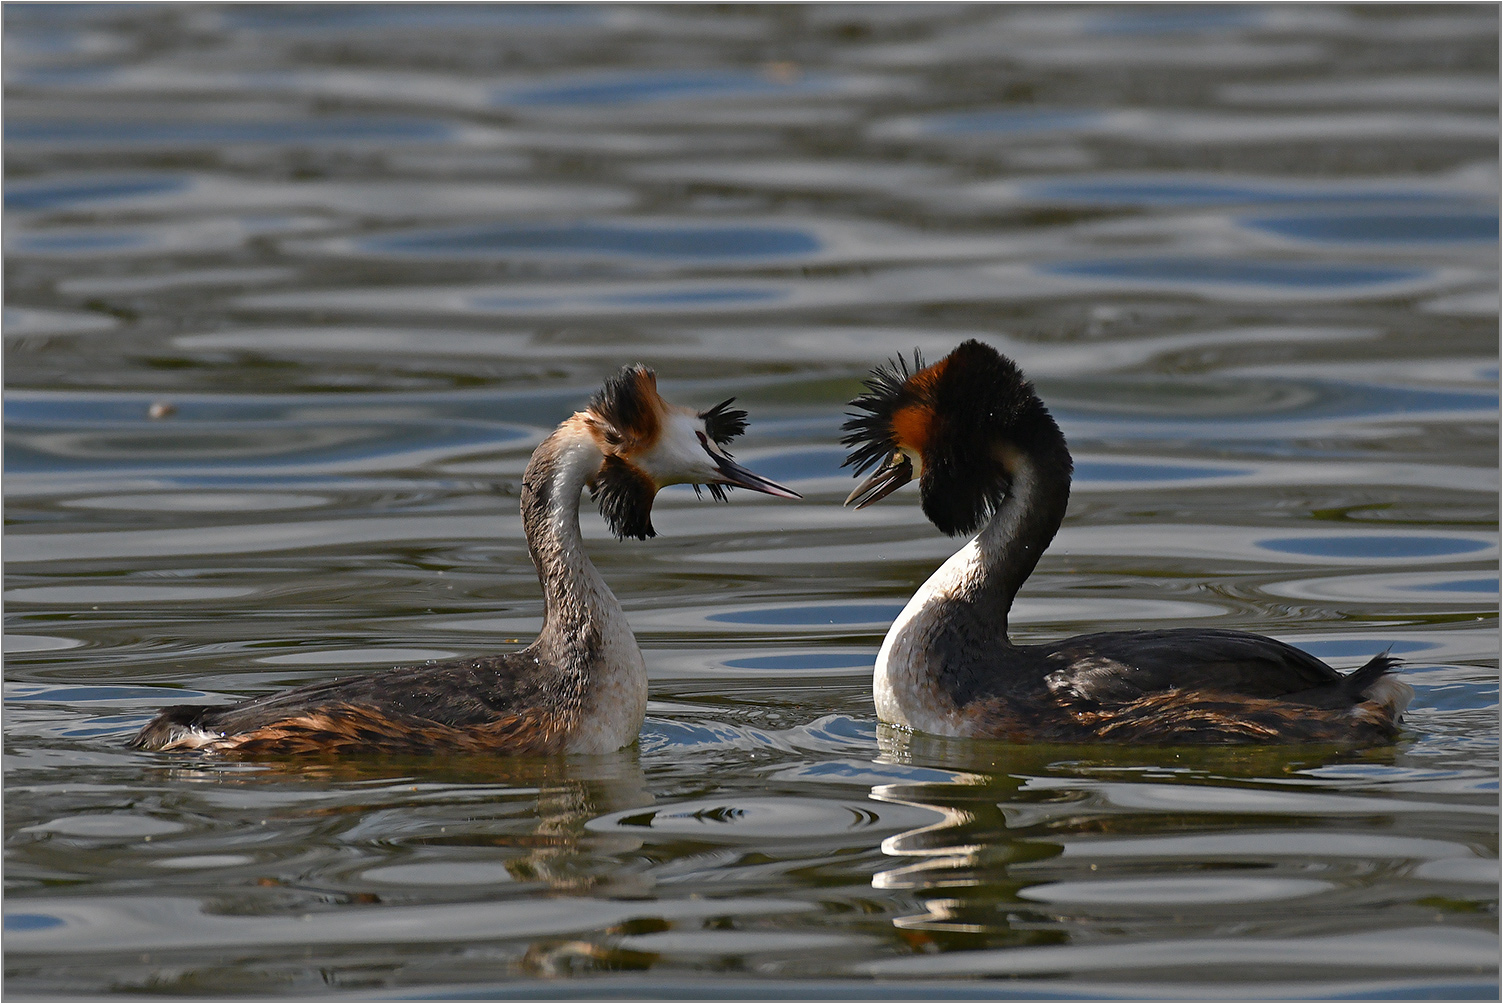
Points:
(581, 687)
(991, 457)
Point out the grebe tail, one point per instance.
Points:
(581, 686)
(990, 457)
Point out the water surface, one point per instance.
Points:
(292, 292)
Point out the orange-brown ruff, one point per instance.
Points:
(581, 687)
(992, 458)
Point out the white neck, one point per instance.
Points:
(959, 613)
(585, 639)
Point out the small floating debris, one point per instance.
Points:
(161, 409)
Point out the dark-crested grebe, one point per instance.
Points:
(989, 453)
(581, 687)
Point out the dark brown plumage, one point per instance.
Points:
(513, 703)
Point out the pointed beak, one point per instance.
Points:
(888, 478)
(732, 473)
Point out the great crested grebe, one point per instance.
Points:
(581, 687)
(989, 453)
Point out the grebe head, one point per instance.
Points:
(649, 444)
(966, 424)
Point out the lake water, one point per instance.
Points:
(293, 291)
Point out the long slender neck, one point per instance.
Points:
(1008, 548)
(950, 641)
(969, 597)
(577, 602)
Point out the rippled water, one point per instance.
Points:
(293, 291)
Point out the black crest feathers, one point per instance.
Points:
(624, 494)
(628, 403)
(980, 398)
(963, 409)
(724, 423)
(869, 432)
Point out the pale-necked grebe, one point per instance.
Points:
(581, 687)
(989, 453)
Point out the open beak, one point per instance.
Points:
(885, 480)
(732, 473)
